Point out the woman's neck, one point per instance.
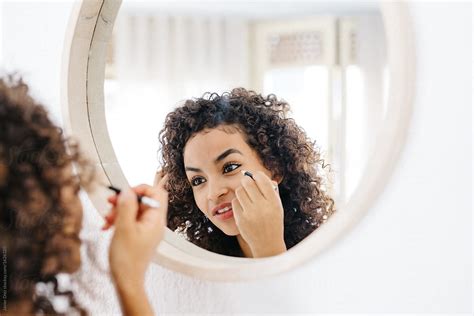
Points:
(245, 247)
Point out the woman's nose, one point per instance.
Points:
(216, 190)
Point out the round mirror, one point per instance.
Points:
(344, 68)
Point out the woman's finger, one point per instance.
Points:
(251, 188)
(126, 208)
(237, 210)
(158, 176)
(142, 215)
(163, 182)
(146, 190)
(109, 220)
(243, 198)
(112, 199)
(111, 216)
(265, 185)
(107, 225)
(154, 217)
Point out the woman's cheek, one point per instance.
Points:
(237, 181)
(200, 201)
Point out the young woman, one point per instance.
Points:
(208, 144)
(41, 215)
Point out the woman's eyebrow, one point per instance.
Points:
(192, 169)
(219, 158)
(227, 153)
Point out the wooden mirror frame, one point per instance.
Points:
(82, 97)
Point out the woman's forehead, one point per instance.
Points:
(214, 141)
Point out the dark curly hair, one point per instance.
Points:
(282, 146)
(38, 226)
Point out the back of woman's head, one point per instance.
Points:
(40, 214)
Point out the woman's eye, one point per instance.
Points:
(197, 181)
(231, 167)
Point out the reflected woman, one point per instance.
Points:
(209, 143)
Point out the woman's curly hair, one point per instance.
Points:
(38, 227)
(282, 146)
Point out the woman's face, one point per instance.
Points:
(213, 161)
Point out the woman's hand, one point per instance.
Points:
(138, 231)
(259, 214)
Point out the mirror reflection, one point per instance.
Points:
(320, 76)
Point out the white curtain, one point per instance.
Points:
(182, 56)
(158, 61)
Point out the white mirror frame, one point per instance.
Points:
(82, 97)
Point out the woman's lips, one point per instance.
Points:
(225, 216)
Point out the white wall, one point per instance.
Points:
(33, 33)
(411, 253)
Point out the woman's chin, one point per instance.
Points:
(234, 233)
(230, 231)
(228, 227)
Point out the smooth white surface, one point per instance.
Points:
(32, 34)
(413, 250)
(261, 9)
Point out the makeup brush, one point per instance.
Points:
(249, 174)
(145, 200)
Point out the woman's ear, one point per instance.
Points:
(277, 178)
